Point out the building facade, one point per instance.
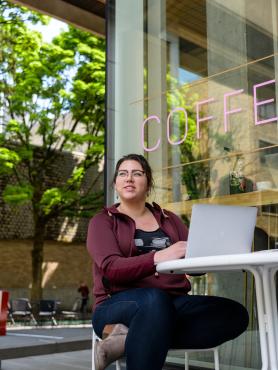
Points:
(193, 86)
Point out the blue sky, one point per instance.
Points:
(186, 76)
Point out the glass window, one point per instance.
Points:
(195, 91)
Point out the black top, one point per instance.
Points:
(147, 241)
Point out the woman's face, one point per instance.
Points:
(131, 181)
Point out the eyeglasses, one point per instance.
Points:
(123, 174)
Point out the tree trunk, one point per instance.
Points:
(37, 258)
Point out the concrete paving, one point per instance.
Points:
(48, 349)
(80, 360)
(42, 341)
(25, 342)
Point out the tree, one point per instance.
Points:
(52, 101)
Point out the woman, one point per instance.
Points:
(126, 241)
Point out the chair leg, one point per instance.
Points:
(118, 365)
(186, 361)
(94, 339)
(54, 321)
(216, 359)
(33, 319)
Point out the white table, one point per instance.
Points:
(263, 265)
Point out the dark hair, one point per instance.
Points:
(144, 163)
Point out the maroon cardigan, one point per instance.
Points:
(117, 264)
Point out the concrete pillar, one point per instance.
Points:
(156, 92)
(129, 77)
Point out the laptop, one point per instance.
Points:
(220, 229)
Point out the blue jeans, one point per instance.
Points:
(158, 321)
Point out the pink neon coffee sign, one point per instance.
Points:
(201, 119)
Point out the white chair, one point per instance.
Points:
(186, 351)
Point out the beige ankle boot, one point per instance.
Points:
(111, 348)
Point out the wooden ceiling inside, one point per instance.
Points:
(187, 14)
(187, 20)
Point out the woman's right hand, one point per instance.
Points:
(175, 251)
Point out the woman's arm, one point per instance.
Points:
(104, 250)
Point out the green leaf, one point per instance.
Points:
(8, 160)
(25, 153)
(77, 175)
(18, 195)
(13, 126)
(51, 197)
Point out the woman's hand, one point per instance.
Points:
(173, 252)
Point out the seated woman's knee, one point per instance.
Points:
(157, 299)
(243, 317)
(238, 316)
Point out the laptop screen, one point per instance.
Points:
(220, 229)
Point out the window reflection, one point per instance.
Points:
(209, 79)
(220, 53)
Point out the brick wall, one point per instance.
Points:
(65, 266)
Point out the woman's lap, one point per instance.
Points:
(196, 321)
(123, 306)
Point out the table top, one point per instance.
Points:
(220, 263)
